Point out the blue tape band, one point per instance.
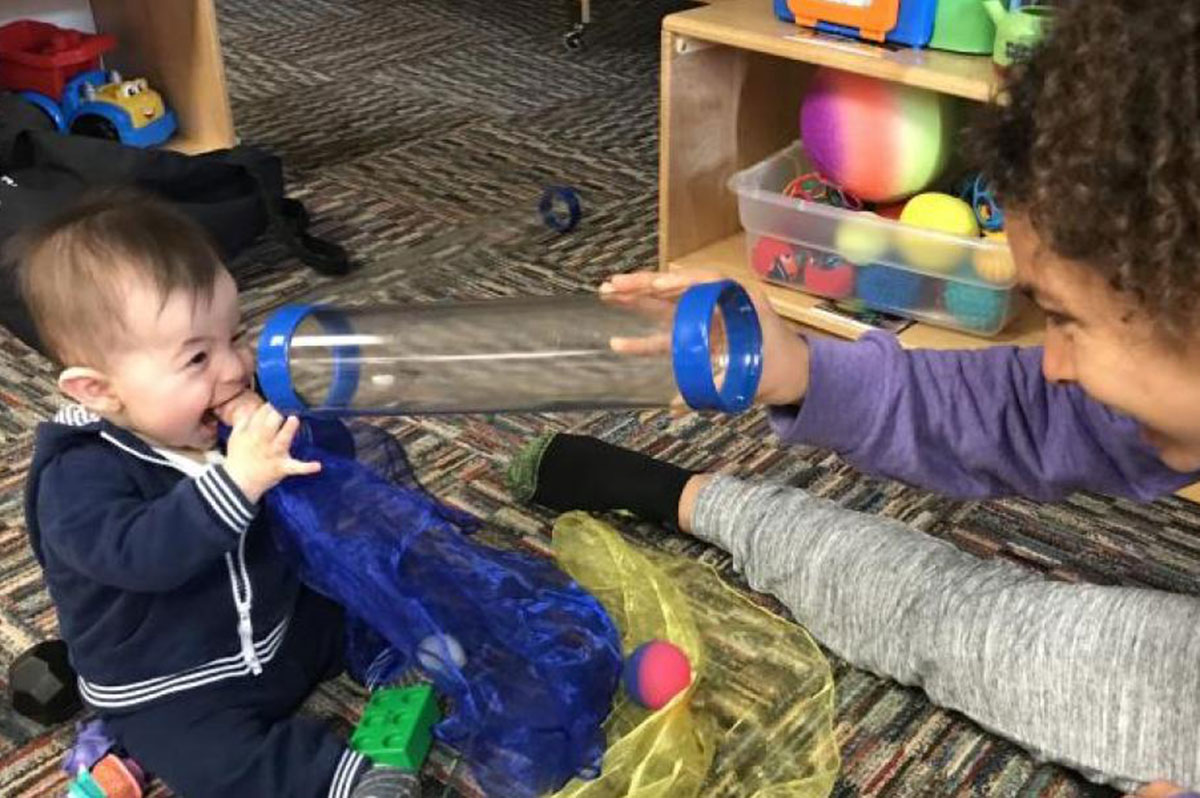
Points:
(550, 213)
(691, 347)
(274, 359)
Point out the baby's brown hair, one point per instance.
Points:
(1099, 144)
(71, 269)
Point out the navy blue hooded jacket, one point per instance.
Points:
(164, 576)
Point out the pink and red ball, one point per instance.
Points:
(655, 673)
(878, 140)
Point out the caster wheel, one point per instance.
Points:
(573, 40)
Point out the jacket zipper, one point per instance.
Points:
(243, 596)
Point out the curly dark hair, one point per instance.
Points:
(1099, 145)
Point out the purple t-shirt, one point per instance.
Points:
(971, 423)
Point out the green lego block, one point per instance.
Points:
(396, 727)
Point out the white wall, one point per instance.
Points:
(75, 14)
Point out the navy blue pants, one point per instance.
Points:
(242, 738)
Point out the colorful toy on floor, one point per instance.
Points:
(98, 770)
(104, 105)
(111, 777)
(976, 308)
(396, 728)
(57, 70)
(760, 702)
(940, 213)
(878, 140)
(655, 673)
(560, 208)
(995, 266)
(42, 684)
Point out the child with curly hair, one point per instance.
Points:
(1096, 157)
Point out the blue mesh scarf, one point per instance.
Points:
(542, 656)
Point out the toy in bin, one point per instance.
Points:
(57, 70)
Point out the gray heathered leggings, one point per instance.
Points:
(1102, 679)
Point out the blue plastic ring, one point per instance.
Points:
(555, 220)
(274, 352)
(691, 347)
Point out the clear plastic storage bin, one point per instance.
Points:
(855, 256)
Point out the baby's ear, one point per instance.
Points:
(90, 388)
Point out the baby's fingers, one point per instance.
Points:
(296, 468)
(645, 345)
(282, 441)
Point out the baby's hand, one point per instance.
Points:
(258, 455)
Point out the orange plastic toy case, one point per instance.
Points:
(873, 18)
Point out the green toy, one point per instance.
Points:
(1019, 31)
(963, 26)
(396, 727)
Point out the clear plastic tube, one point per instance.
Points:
(529, 354)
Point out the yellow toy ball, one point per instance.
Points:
(944, 214)
(995, 264)
(861, 241)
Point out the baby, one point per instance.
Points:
(193, 640)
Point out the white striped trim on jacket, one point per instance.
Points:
(123, 696)
(225, 499)
(349, 768)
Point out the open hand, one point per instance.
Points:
(785, 354)
(258, 455)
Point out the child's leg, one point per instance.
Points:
(1103, 679)
(221, 751)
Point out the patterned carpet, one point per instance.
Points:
(420, 133)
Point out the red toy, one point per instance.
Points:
(830, 276)
(38, 56)
(655, 673)
(773, 259)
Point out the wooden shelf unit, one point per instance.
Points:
(732, 80)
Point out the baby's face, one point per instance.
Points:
(180, 363)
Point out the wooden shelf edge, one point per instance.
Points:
(750, 25)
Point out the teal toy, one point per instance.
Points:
(396, 727)
(980, 309)
(85, 786)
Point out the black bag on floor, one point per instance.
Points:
(236, 194)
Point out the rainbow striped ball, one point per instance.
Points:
(655, 673)
(880, 141)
